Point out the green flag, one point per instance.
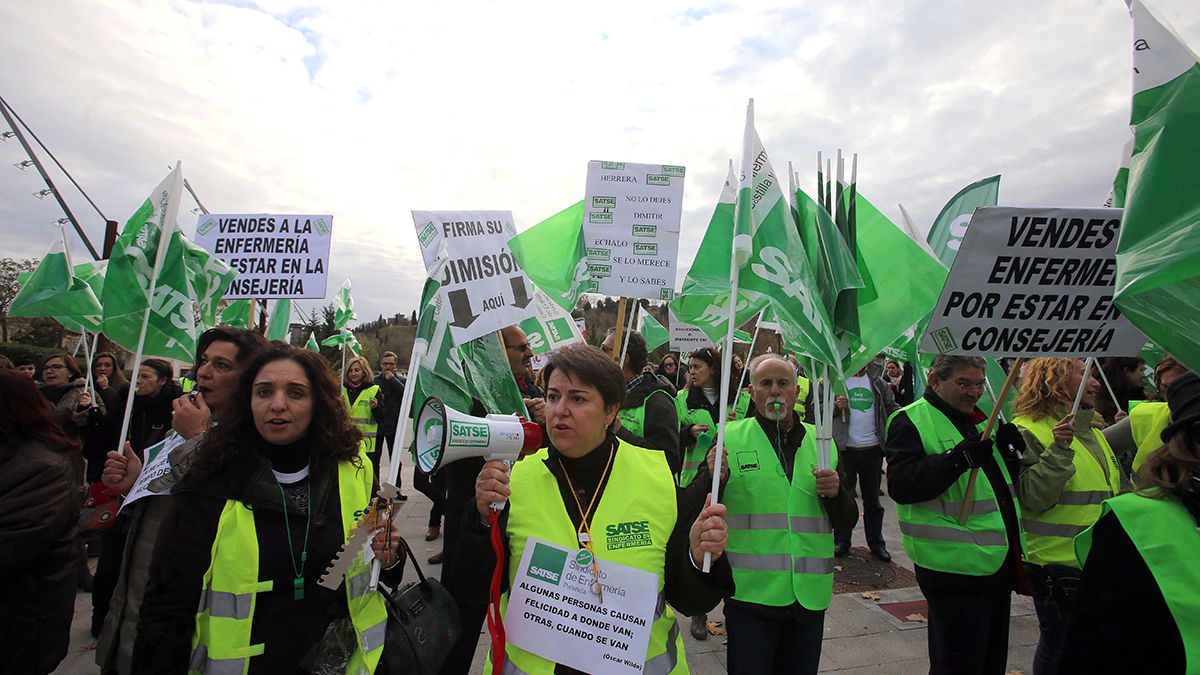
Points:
(456, 374)
(53, 290)
(653, 331)
(343, 307)
(835, 269)
(553, 256)
(551, 327)
(144, 257)
(1158, 253)
(904, 300)
(237, 314)
(951, 223)
(280, 321)
(775, 273)
(208, 276)
(311, 345)
(1116, 197)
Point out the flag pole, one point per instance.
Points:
(750, 354)
(633, 314)
(1083, 382)
(406, 401)
(747, 177)
(166, 230)
(618, 329)
(969, 496)
(1104, 379)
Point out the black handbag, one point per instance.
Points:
(423, 624)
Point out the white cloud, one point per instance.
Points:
(368, 110)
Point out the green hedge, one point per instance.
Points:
(17, 350)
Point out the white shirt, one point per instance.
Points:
(861, 403)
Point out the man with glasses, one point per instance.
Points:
(391, 385)
(966, 571)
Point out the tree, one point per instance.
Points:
(9, 269)
(412, 320)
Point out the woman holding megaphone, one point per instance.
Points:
(596, 539)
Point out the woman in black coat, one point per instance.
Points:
(39, 518)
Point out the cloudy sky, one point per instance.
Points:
(368, 110)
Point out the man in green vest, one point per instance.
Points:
(782, 510)
(967, 571)
(1136, 436)
(648, 417)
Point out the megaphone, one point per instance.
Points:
(445, 435)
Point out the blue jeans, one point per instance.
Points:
(1053, 626)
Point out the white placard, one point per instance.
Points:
(631, 215)
(686, 338)
(158, 465)
(553, 612)
(1034, 282)
(277, 256)
(483, 285)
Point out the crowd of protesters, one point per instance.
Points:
(1087, 498)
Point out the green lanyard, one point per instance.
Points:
(298, 581)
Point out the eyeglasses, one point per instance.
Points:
(964, 385)
(524, 346)
(54, 366)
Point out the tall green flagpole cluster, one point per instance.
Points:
(53, 289)
(1158, 253)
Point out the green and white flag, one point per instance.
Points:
(554, 257)
(237, 314)
(208, 277)
(456, 374)
(1158, 253)
(776, 273)
(280, 321)
(551, 327)
(144, 258)
(343, 337)
(834, 266)
(53, 290)
(653, 331)
(311, 344)
(951, 223)
(343, 307)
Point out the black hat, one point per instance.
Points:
(1183, 398)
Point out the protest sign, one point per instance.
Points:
(553, 612)
(631, 216)
(686, 338)
(1034, 282)
(481, 281)
(276, 256)
(158, 467)
(550, 327)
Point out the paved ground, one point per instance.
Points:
(860, 636)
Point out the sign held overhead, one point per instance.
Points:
(277, 256)
(1034, 282)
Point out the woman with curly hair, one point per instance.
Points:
(1139, 608)
(271, 497)
(1068, 469)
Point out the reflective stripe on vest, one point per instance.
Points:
(929, 531)
(696, 455)
(360, 414)
(1146, 423)
(640, 488)
(225, 616)
(778, 557)
(1050, 533)
(1166, 536)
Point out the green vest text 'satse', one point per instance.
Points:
(780, 539)
(640, 489)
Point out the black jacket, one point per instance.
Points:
(287, 627)
(660, 431)
(392, 391)
(914, 476)
(151, 418)
(39, 518)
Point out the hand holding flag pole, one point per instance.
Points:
(969, 497)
